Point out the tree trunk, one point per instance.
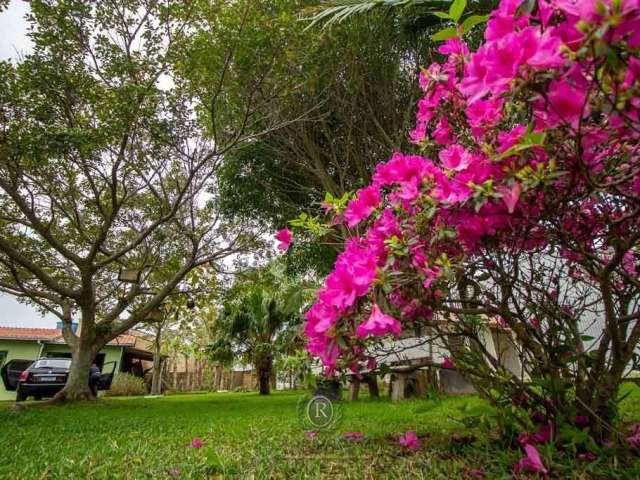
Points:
(156, 379)
(77, 387)
(264, 365)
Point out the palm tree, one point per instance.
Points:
(260, 318)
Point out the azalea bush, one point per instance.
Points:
(518, 214)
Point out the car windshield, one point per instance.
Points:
(53, 363)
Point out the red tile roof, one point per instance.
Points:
(53, 335)
(29, 333)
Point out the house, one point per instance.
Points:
(131, 352)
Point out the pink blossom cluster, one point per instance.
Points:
(536, 115)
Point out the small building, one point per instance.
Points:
(131, 351)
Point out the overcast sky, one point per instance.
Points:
(13, 42)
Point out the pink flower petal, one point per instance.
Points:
(531, 462)
(285, 237)
(410, 440)
(448, 363)
(353, 436)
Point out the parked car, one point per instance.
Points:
(45, 377)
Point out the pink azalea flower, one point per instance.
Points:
(454, 46)
(419, 133)
(543, 435)
(451, 191)
(531, 462)
(310, 435)
(197, 443)
(535, 323)
(506, 140)
(455, 157)
(448, 363)
(484, 112)
(354, 272)
(566, 104)
(285, 238)
(358, 209)
(475, 84)
(510, 196)
(548, 48)
(503, 20)
(442, 132)
(379, 325)
(320, 318)
(410, 440)
(353, 436)
(402, 168)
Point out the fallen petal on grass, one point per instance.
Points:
(353, 436)
(410, 440)
(197, 443)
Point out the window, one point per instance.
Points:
(3, 357)
(58, 355)
(53, 363)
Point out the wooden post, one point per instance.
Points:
(372, 383)
(354, 388)
(422, 381)
(399, 384)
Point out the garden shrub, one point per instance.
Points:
(519, 217)
(126, 385)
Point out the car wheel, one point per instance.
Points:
(20, 397)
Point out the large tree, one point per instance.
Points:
(354, 94)
(103, 168)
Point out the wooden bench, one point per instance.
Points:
(408, 379)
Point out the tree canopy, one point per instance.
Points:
(104, 168)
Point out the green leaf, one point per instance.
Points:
(443, 15)
(530, 140)
(472, 21)
(445, 34)
(456, 9)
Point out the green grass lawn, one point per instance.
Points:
(248, 436)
